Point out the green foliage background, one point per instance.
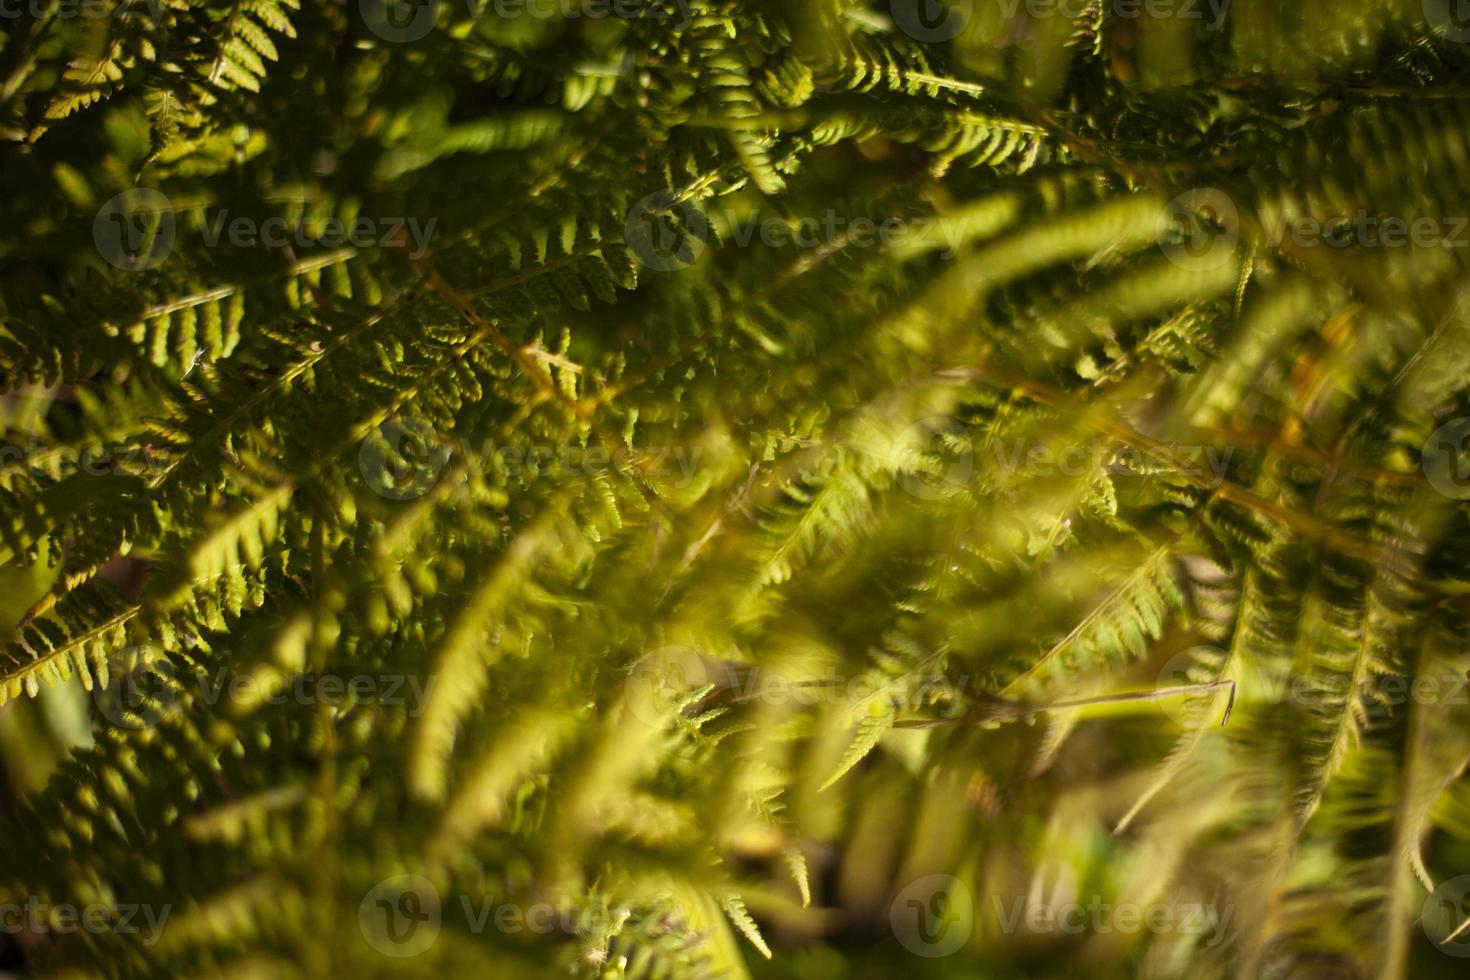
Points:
(750, 607)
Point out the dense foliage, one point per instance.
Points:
(694, 488)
